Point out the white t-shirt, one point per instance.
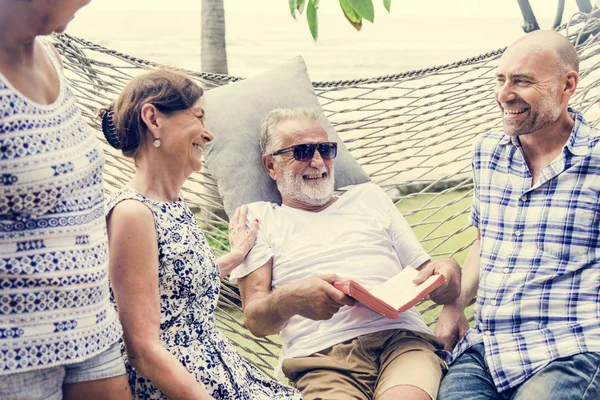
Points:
(360, 236)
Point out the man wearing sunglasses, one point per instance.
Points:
(332, 348)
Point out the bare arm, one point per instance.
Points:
(227, 263)
(266, 312)
(470, 273)
(452, 324)
(133, 268)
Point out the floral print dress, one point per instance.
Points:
(189, 284)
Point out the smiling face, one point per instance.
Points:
(184, 136)
(528, 83)
(302, 184)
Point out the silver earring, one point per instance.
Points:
(156, 143)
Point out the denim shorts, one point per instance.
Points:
(47, 383)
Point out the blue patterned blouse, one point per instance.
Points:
(54, 295)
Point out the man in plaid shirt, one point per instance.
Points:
(535, 265)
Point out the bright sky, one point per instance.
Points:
(544, 9)
(424, 32)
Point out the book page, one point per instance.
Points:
(400, 289)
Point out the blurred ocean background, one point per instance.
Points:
(261, 34)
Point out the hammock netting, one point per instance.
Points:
(411, 132)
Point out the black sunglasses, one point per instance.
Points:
(306, 151)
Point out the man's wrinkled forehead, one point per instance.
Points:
(301, 131)
(521, 59)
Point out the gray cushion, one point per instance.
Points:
(234, 113)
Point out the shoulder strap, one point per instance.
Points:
(53, 54)
(125, 194)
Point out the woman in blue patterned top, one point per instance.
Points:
(163, 273)
(58, 332)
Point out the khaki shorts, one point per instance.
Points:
(365, 367)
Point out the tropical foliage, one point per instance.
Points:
(354, 11)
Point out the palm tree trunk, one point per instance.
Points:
(213, 53)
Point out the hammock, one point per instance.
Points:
(411, 132)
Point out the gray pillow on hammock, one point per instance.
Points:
(234, 113)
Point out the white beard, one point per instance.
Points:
(314, 193)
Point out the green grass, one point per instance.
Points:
(433, 224)
(219, 244)
(434, 217)
(443, 215)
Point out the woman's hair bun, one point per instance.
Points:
(109, 129)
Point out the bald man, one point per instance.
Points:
(535, 265)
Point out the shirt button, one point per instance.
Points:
(506, 270)
(518, 233)
(524, 197)
(494, 302)
(488, 333)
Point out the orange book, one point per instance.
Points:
(394, 296)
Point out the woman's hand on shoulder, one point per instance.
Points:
(241, 237)
(241, 240)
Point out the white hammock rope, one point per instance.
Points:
(411, 132)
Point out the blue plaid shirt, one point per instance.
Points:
(539, 283)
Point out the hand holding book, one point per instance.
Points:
(450, 289)
(394, 296)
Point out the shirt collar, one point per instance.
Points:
(578, 140)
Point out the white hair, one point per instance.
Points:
(270, 141)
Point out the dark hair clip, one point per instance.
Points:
(109, 129)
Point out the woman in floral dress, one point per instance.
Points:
(163, 273)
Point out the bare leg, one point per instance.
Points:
(404, 392)
(116, 388)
